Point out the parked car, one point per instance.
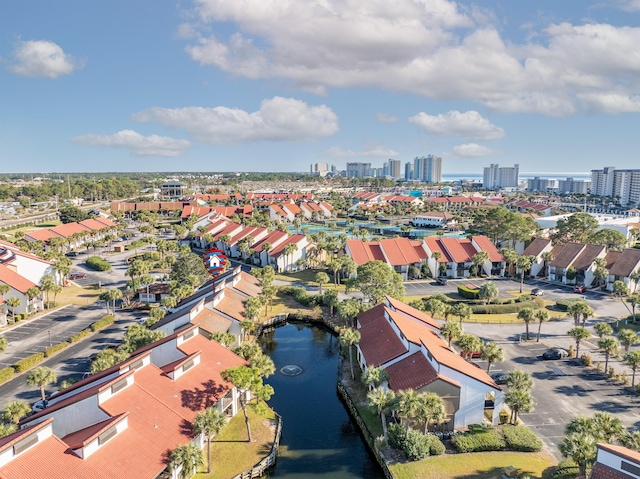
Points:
(499, 378)
(39, 405)
(537, 292)
(555, 353)
(579, 288)
(72, 253)
(442, 281)
(77, 275)
(474, 355)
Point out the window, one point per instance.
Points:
(137, 365)
(632, 468)
(108, 434)
(25, 444)
(119, 386)
(188, 335)
(188, 365)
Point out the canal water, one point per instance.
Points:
(319, 440)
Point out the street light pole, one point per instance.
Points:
(49, 338)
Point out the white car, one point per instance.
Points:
(39, 405)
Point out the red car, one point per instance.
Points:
(474, 355)
(77, 276)
(579, 289)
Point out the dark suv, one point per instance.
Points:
(441, 281)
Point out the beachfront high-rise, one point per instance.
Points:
(428, 169)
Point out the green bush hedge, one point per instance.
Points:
(468, 293)
(78, 336)
(507, 308)
(566, 469)
(103, 323)
(55, 348)
(28, 362)
(521, 438)
(414, 444)
(6, 374)
(480, 439)
(563, 304)
(96, 263)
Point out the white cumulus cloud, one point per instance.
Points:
(473, 150)
(278, 119)
(137, 144)
(41, 58)
(372, 150)
(386, 118)
(470, 125)
(436, 48)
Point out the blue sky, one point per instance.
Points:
(275, 85)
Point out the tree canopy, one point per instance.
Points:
(376, 280)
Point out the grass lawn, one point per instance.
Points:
(478, 465)
(49, 224)
(77, 295)
(284, 304)
(231, 454)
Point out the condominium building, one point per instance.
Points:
(501, 177)
(540, 184)
(320, 169)
(393, 168)
(574, 186)
(623, 184)
(428, 169)
(408, 170)
(358, 170)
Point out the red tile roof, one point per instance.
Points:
(567, 255)
(455, 250)
(536, 247)
(626, 264)
(42, 235)
(601, 471)
(293, 239)
(399, 251)
(274, 238)
(413, 372)
(421, 316)
(14, 280)
(485, 244)
(434, 245)
(420, 251)
(590, 252)
(378, 342)
(68, 230)
(362, 252)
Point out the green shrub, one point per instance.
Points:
(78, 336)
(55, 348)
(300, 295)
(586, 360)
(506, 308)
(6, 374)
(103, 323)
(480, 439)
(412, 443)
(566, 469)
(563, 304)
(503, 416)
(521, 438)
(28, 362)
(436, 448)
(96, 263)
(468, 293)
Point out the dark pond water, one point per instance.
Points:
(318, 438)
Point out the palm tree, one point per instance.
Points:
(3, 344)
(4, 289)
(581, 448)
(627, 337)
(634, 299)
(520, 380)
(15, 410)
(209, 423)
(408, 406)
(542, 316)
(576, 310)
(488, 292)
(436, 255)
(374, 377)
(547, 257)
(519, 401)
(610, 346)
(524, 264)
(526, 315)
(41, 376)
(187, 457)
(430, 409)
(478, 260)
(382, 400)
(321, 278)
(635, 277)
(608, 426)
(602, 329)
(451, 331)
(578, 333)
(492, 353)
(510, 257)
(13, 302)
(469, 344)
(56, 289)
(462, 310)
(348, 338)
(31, 294)
(632, 360)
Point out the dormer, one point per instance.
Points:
(86, 441)
(112, 388)
(177, 368)
(219, 296)
(13, 445)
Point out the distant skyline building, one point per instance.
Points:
(574, 186)
(623, 184)
(540, 184)
(428, 169)
(408, 171)
(501, 177)
(320, 169)
(395, 167)
(358, 170)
